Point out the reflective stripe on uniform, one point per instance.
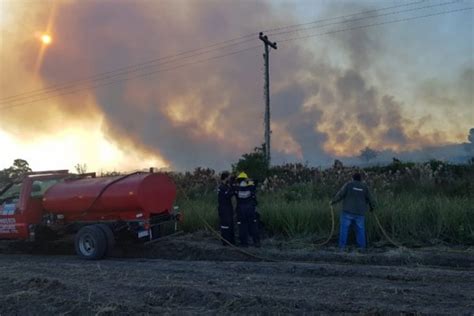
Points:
(225, 227)
(244, 194)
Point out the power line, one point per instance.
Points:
(130, 78)
(115, 73)
(365, 18)
(376, 24)
(233, 53)
(147, 62)
(269, 31)
(137, 67)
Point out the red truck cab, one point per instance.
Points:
(21, 204)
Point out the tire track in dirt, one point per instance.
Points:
(199, 247)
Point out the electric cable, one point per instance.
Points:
(203, 50)
(233, 53)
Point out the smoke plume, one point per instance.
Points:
(209, 114)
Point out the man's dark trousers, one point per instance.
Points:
(247, 221)
(226, 220)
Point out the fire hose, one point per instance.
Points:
(377, 221)
(333, 224)
(218, 236)
(385, 233)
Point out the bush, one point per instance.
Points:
(254, 164)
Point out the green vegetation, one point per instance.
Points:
(14, 173)
(254, 164)
(408, 217)
(418, 204)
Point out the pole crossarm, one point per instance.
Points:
(264, 39)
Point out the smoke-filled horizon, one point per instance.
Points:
(331, 95)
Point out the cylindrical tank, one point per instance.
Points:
(141, 192)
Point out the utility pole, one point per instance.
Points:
(266, 56)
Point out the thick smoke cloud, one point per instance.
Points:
(209, 114)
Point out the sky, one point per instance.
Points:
(337, 85)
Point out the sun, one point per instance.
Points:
(46, 39)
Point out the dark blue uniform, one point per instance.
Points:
(226, 212)
(246, 211)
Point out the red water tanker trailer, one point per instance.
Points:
(99, 211)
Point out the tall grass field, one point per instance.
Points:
(417, 205)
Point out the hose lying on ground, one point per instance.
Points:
(313, 245)
(379, 225)
(219, 237)
(385, 233)
(332, 229)
(398, 245)
(252, 255)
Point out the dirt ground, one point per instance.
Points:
(194, 274)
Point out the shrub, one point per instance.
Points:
(254, 164)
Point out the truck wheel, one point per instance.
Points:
(109, 235)
(91, 243)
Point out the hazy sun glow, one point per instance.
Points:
(46, 39)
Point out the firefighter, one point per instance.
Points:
(225, 208)
(356, 199)
(246, 210)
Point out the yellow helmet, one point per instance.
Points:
(242, 175)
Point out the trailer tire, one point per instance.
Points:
(91, 243)
(109, 234)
